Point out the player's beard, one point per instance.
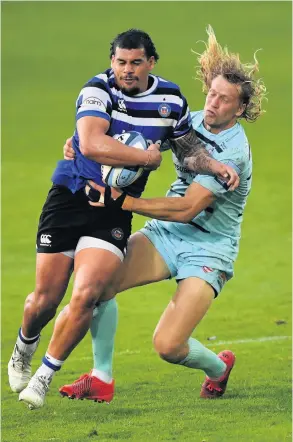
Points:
(134, 90)
(131, 91)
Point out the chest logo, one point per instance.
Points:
(121, 106)
(164, 110)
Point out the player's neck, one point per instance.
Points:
(148, 84)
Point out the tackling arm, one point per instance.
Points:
(183, 210)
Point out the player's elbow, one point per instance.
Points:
(185, 216)
(188, 217)
(90, 149)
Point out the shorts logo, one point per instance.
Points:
(223, 277)
(207, 269)
(164, 110)
(117, 233)
(45, 240)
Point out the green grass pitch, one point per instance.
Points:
(49, 50)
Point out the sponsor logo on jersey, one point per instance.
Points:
(207, 269)
(117, 233)
(93, 100)
(46, 240)
(121, 105)
(164, 110)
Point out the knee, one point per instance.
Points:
(63, 312)
(85, 296)
(167, 348)
(42, 301)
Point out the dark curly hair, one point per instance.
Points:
(134, 39)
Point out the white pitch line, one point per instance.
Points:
(252, 340)
(209, 344)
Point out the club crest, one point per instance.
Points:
(164, 110)
(117, 233)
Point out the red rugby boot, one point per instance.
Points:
(212, 389)
(89, 387)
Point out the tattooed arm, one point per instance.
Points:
(193, 155)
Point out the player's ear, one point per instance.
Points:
(112, 60)
(152, 62)
(241, 109)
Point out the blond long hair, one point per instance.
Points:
(215, 61)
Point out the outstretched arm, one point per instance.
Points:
(181, 209)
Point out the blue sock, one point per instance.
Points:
(204, 359)
(103, 329)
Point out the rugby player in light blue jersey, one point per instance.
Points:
(123, 98)
(194, 236)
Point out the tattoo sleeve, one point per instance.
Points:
(192, 153)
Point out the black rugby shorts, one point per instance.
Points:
(66, 217)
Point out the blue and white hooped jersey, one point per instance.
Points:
(217, 228)
(159, 113)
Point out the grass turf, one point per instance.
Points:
(49, 50)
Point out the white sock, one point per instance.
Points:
(45, 371)
(102, 375)
(27, 345)
(54, 363)
(49, 366)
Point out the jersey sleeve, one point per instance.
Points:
(184, 122)
(94, 100)
(215, 184)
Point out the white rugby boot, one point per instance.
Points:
(19, 369)
(34, 394)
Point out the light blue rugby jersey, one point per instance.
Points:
(216, 229)
(159, 113)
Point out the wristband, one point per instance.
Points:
(93, 194)
(110, 202)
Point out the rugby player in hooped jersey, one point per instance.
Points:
(196, 237)
(126, 97)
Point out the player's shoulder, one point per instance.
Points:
(234, 141)
(166, 86)
(196, 118)
(102, 80)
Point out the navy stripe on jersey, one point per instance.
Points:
(93, 113)
(206, 140)
(198, 227)
(98, 83)
(167, 91)
(222, 182)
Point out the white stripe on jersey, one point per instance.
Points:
(88, 92)
(119, 116)
(91, 107)
(102, 77)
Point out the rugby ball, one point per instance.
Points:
(124, 176)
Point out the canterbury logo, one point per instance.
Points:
(122, 106)
(45, 239)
